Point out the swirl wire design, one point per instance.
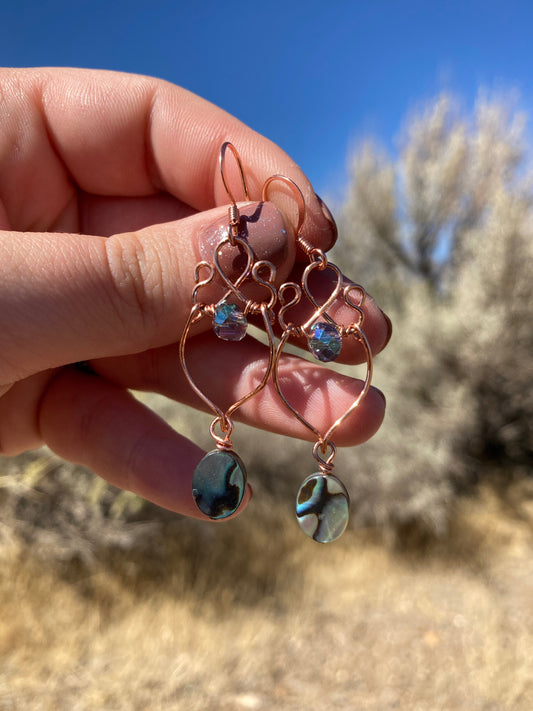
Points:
(324, 450)
(200, 309)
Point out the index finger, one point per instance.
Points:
(115, 134)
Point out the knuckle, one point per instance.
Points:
(136, 285)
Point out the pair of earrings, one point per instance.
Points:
(219, 480)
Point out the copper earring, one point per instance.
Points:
(219, 480)
(322, 503)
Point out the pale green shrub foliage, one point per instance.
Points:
(443, 237)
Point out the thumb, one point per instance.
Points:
(70, 297)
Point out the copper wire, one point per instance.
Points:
(226, 427)
(318, 260)
(299, 199)
(320, 447)
(222, 165)
(233, 210)
(262, 273)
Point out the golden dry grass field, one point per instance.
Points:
(250, 615)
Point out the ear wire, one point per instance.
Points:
(233, 209)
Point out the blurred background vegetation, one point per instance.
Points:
(427, 602)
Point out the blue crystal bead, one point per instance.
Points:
(229, 322)
(323, 507)
(326, 342)
(218, 483)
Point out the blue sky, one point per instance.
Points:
(315, 76)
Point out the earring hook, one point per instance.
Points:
(305, 246)
(233, 209)
(297, 192)
(222, 163)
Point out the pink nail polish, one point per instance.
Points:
(261, 224)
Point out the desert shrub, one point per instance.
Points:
(442, 235)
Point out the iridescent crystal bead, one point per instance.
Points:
(218, 483)
(229, 322)
(323, 507)
(326, 342)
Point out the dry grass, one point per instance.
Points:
(248, 615)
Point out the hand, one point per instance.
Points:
(110, 195)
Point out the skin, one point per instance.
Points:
(108, 185)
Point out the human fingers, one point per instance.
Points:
(89, 421)
(67, 298)
(72, 132)
(226, 372)
(107, 215)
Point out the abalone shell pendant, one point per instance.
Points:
(218, 483)
(323, 507)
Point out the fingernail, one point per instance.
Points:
(378, 391)
(329, 217)
(261, 225)
(389, 328)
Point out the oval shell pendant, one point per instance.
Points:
(218, 483)
(323, 507)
